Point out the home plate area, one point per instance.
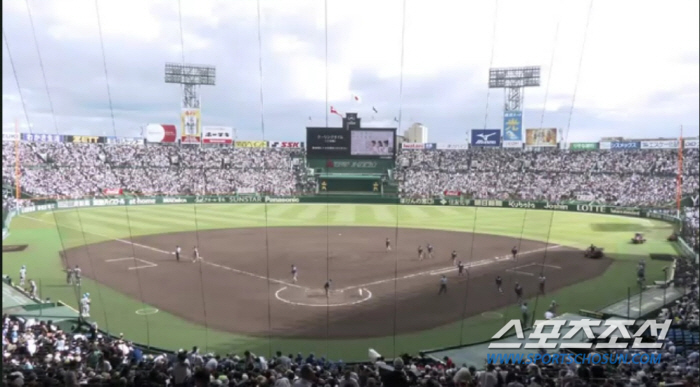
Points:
(131, 263)
(533, 269)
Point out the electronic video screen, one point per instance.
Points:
(327, 142)
(380, 143)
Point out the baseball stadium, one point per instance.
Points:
(349, 252)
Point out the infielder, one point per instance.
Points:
(443, 285)
(195, 255)
(430, 251)
(178, 250)
(388, 245)
(294, 273)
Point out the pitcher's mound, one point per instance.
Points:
(318, 297)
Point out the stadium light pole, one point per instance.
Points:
(191, 77)
(514, 80)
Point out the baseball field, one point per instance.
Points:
(242, 294)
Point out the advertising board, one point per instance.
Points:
(541, 137)
(286, 144)
(659, 144)
(444, 146)
(191, 121)
(486, 137)
(161, 133)
(625, 145)
(217, 135)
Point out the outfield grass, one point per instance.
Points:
(47, 233)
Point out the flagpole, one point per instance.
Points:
(679, 174)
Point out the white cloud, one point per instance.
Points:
(640, 67)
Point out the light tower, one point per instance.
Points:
(513, 79)
(190, 77)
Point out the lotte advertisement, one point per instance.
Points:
(191, 126)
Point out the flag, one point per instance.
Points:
(333, 111)
(396, 119)
(374, 109)
(309, 118)
(356, 98)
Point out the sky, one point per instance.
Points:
(635, 77)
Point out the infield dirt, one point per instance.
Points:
(399, 291)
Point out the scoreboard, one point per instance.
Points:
(357, 143)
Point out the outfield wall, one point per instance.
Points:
(683, 247)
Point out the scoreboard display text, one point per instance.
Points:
(358, 143)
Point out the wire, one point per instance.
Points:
(578, 71)
(182, 36)
(262, 129)
(551, 69)
(201, 279)
(92, 269)
(493, 51)
(14, 73)
(325, 21)
(466, 288)
(396, 232)
(41, 65)
(104, 62)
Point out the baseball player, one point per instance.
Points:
(195, 255)
(454, 257)
(178, 250)
(32, 286)
(22, 275)
(519, 291)
(69, 276)
(388, 244)
(430, 251)
(499, 284)
(443, 285)
(294, 273)
(514, 251)
(460, 268)
(85, 305)
(541, 281)
(327, 286)
(420, 253)
(76, 275)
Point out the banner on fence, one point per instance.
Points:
(486, 137)
(10, 136)
(412, 145)
(583, 146)
(125, 140)
(659, 144)
(217, 135)
(624, 145)
(513, 126)
(444, 146)
(512, 144)
(191, 129)
(541, 137)
(691, 144)
(86, 139)
(112, 191)
(42, 137)
(250, 144)
(286, 144)
(452, 193)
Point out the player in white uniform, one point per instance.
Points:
(195, 255)
(22, 275)
(76, 275)
(85, 305)
(178, 250)
(294, 273)
(32, 286)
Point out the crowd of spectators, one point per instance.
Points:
(646, 178)
(79, 170)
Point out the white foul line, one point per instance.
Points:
(118, 259)
(446, 269)
(170, 253)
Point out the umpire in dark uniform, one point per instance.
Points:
(443, 285)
